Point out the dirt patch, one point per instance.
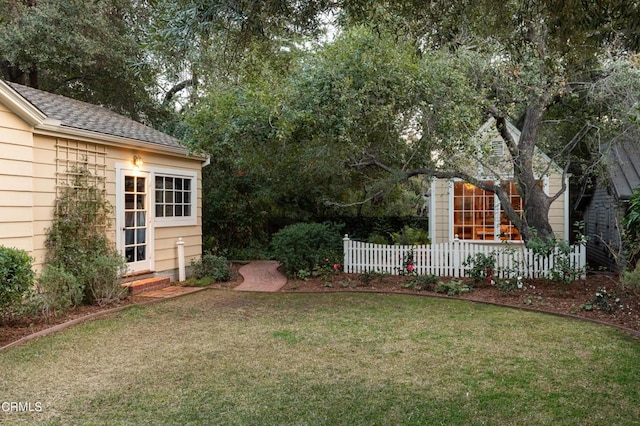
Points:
(599, 297)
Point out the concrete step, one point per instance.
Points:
(146, 284)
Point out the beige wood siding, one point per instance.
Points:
(16, 182)
(441, 213)
(556, 211)
(165, 238)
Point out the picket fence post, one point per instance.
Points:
(347, 253)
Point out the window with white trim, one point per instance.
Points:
(477, 214)
(174, 199)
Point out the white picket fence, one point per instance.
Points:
(447, 259)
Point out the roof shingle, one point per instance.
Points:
(81, 115)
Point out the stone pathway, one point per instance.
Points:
(261, 275)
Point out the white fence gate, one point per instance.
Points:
(448, 259)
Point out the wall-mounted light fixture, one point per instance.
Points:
(137, 161)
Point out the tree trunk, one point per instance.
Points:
(535, 219)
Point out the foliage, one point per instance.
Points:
(77, 242)
(562, 270)
(603, 301)
(81, 49)
(452, 288)
(59, 290)
(377, 239)
(631, 229)
(422, 282)
(211, 266)
(305, 246)
(102, 278)
(481, 267)
(631, 280)
(16, 279)
(411, 236)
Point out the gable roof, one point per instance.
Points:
(489, 129)
(70, 114)
(623, 162)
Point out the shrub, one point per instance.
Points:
(59, 290)
(411, 236)
(77, 242)
(377, 239)
(16, 279)
(305, 246)
(630, 280)
(211, 266)
(482, 267)
(101, 278)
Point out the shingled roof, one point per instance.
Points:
(81, 115)
(623, 161)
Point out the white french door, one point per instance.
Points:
(134, 224)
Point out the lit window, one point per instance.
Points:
(475, 211)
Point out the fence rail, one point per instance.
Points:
(448, 259)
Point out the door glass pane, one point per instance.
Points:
(128, 183)
(128, 236)
(140, 184)
(141, 252)
(129, 220)
(141, 236)
(140, 218)
(140, 202)
(129, 201)
(128, 253)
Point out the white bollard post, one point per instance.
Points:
(181, 268)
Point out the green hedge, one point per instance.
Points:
(16, 280)
(305, 246)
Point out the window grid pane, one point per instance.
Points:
(173, 196)
(474, 212)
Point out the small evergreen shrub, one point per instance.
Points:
(306, 246)
(60, 290)
(16, 279)
(211, 266)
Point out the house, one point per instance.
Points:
(606, 205)
(461, 210)
(150, 179)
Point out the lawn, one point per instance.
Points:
(223, 357)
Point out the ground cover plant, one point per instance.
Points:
(223, 357)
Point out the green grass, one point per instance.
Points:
(219, 357)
